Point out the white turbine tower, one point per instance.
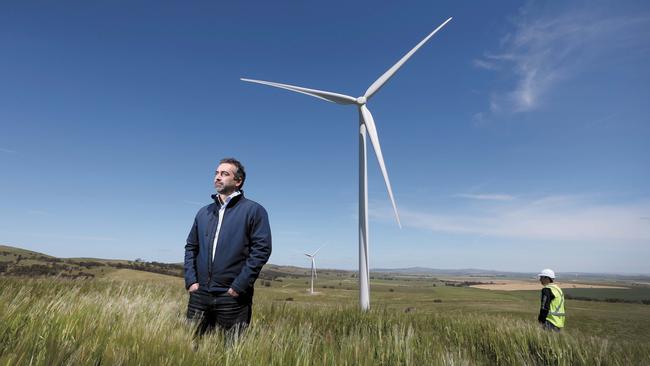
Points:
(313, 268)
(366, 128)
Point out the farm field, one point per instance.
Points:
(128, 316)
(517, 285)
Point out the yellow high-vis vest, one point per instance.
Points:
(556, 314)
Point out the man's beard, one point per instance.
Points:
(226, 190)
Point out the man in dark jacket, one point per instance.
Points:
(228, 244)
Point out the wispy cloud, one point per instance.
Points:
(485, 64)
(8, 151)
(543, 51)
(37, 212)
(486, 197)
(564, 218)
(74, 237)
(195, 203)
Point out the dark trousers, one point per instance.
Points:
(219, 310)
(550, 326)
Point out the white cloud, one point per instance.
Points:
(483, 64)
(488, 197)
(8, 151)
(553, 218)
(73, 237)
(195, 203)
(541, 52)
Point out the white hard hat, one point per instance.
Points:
(547, 273)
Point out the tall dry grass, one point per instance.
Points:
(65, 322)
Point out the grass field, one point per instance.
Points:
(140, 320)
(621, 321)
(91, 311)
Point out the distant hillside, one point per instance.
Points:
(423, 271)
(20, 262)
(473, 272)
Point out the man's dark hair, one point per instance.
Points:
(240, 174)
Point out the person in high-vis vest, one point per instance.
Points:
(551, 313)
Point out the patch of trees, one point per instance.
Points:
(609, 299)
(37, 257)
(47, 259)
(88, 264)
(154, 267)
(387, 278)
(271, 275)
(466, 283)
(36, 270)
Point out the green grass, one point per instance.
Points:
(133, 322)
(626, 322)
(126, 316)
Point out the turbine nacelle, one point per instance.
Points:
(361, 100)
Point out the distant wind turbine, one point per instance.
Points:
(366, 128)
(313, 268)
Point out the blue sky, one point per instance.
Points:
(516, 139)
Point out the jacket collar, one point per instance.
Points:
(233, 201)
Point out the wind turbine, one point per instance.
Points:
(366, 128)
(313, 268)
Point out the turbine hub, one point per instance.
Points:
(361, 100)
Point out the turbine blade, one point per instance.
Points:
(320, 94)
(314, 264)
(318, 250)
(367, 119)
(388, 74)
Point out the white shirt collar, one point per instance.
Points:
(231, 196)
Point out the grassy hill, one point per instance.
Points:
(20, 262)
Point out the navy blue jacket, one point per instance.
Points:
(243, 247)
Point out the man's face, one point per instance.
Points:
(224, 179)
